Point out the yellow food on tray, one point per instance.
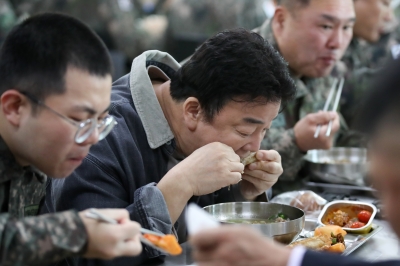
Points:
(329, 229)
(167, 243)
(326, 238)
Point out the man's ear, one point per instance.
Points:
(280, 17)
(12, 104)
(192, 113)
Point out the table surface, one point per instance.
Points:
(383, 246)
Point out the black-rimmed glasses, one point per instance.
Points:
(85, 128)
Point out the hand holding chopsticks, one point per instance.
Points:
(335, 105)
(158, 241)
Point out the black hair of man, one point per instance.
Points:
(232, 65)
(381, 104)
(36, 54)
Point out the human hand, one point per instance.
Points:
(236, 245)
(209, 168)
(107, 241)
(261, 175)
(304, 131)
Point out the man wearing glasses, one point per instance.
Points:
(55, 93)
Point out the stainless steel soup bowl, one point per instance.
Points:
(338, 165)
(283, 232)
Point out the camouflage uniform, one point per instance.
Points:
(363, 60)
(7, 19)
(191, 22)
(310, 98)
(206, 17)
(117, 22)
(32, 240)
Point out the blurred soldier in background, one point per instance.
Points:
(128, 28)
(370, 47)
(192, 21)
(7, 19)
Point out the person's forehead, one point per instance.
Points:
(344, 8)
(250, 112)
(84, 90)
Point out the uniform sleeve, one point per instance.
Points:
(93, 185)
(41, 239)
(283, 141)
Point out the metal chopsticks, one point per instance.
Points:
(335, 105)
(93, 213)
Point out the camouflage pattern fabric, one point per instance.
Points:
(26, 240)
(363, 61)
(117, 22)
(310, 98)
(202, 19)
(7, 19)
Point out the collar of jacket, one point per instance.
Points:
(10, 169)
(149, 110)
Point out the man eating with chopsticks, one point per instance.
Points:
(312, 35)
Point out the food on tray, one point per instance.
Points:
(328, 230)
(279, 218)
(364, 216)
(326, 238)
(167, 243)
(251, 158)
(348, 217)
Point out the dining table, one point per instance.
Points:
(383, 246)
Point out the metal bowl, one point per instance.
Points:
(338, 165)
(283, 232)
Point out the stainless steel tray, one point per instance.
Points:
(340, 189)
(353, 241)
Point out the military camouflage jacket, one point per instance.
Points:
(363, 61)
(310, 97)
(7, 19)
(27, 240)
(202, 19)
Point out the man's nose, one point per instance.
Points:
(93, 138)
(336, 39)
(254, 143)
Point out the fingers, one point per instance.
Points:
(107, 240)
(131, 247)
(270, 155)
(236, 167)
(321, 118)
(117, 214)
(274, 168)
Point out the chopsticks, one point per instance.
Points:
(335, 105)
(94, 214)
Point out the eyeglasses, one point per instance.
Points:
(85, 128)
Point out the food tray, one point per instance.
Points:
(340, 204)
(352, 241)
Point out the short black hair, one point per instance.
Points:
(233, 64)
(36, 54)
(382, 102)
